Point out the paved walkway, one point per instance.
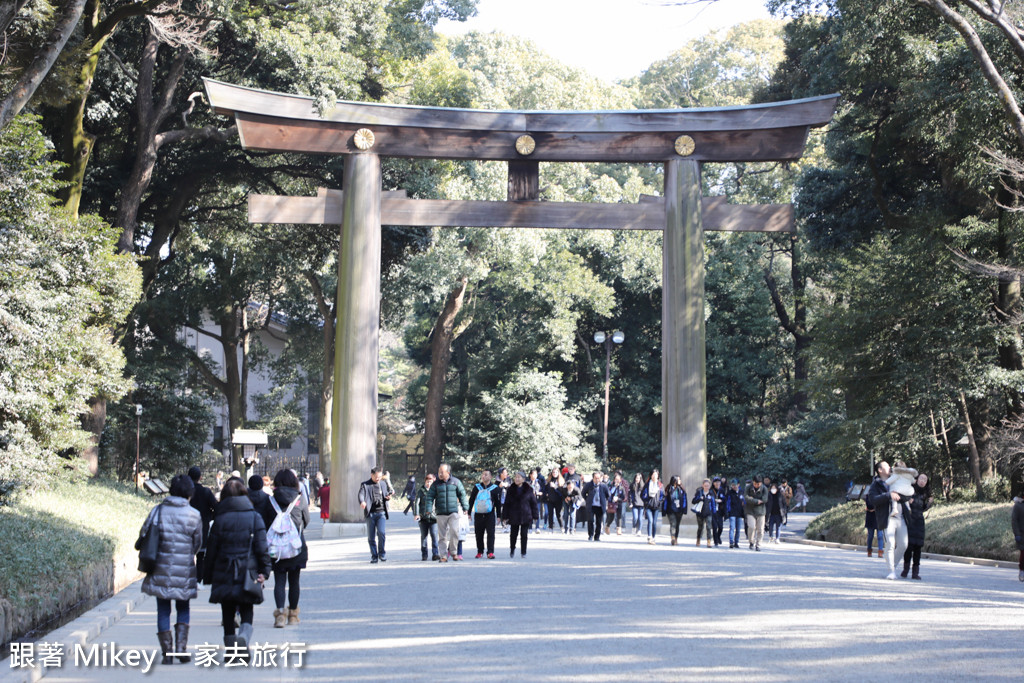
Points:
(618, 610)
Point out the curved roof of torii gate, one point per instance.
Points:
(760, 132)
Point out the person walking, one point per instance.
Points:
(653, 494)
(287, 498)
(447, 496)
(553, 496)
(260, 499)
(617, 504)
(1017, 525)
(571, 502)
(754, 498)
(237, 549)
(800, 497)
(916, 508)
(303, 488)
(718, 519)
(325, 500)
(703, 504)
(636, 502)
(889, 513)
(374, 494)
(409, 492)
(775, 507)
(315, 486)
(596, 496)
(503, 483)
(426, 519)
(787, 498)
(485, 502)
(174, 575)
(674, 507)
(871, 525)
(734, 512)
(205, 502)
(519, 510)
(536, 482)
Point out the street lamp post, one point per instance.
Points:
(138, 431)
(617, 337)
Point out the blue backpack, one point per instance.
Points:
(483, 503)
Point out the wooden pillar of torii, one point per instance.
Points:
(679, 138)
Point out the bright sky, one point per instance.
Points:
(611, 39)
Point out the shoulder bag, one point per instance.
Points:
(149, 545)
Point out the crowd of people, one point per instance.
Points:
(525, 503)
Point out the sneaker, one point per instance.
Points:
(479, 555)
(757, 548)
(751, 546)
(373, 560)
(436, 558)
(891, 576)
(1021, 575)
(490, 556)
(522, 554)
(442, 559)
(458, 558)
(383, 559)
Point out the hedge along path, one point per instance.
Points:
(971, 530)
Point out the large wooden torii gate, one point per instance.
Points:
(679, 138)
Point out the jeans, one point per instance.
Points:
(375, 530)
(881, 538)
(674, 519)
(163, 613)
(595, 522)
(483, 523)
(568, 518)
(638, 515)
(536, 522)
(448, 532)
(774, 523)
(227, 614)
(735, 526)
(704, 525)
(755, 529)
(431, 529)
(292, 578)
(895, 541)
(554, 515)
(652, 521)
(520, 530)
(717, 523)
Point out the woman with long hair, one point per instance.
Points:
(674, 507)
(636, 501)
(553, 497)
(286, 570)
(237, 548)
(653, 494)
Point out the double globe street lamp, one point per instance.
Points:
(617, 337)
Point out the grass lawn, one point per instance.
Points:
(967, 529)
(67, 544)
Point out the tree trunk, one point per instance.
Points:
(326, 407)
(93, 422)
(28, 81)
(440, 355)
(973, 459)
(9, 9)
(1008, 297)
(796, 325)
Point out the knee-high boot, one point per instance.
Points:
(166, 639)
(181, 642)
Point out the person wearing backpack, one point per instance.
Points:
(286, 542)
(485, 502)
(374, 494)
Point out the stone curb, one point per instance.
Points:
(930, 556)
(82, 630)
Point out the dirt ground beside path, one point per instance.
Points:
(618, 610)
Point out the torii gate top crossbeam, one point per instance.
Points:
(763, 132)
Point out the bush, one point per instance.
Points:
(965, 529)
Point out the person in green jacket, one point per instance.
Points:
(447, 496)
(754, 507)
(426, 519)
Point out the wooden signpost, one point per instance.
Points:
(679, 138)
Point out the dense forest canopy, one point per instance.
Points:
(889, 326)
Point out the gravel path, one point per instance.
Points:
(618, 610)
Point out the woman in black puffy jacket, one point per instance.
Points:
(237, 546)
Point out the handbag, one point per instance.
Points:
(252, 588)
(149, 545)
(698, 507)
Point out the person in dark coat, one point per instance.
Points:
(704, 498)
(237, 546)
(260, 499)
(1017, 525)
(775, 510)
(286, 490)
(872, 526)
(916, 508)
(519, 510)
(174, 576)
(596, 496)
(426, 519)
(410, 494)
(674, 507)
(203, 500)
(880, 499)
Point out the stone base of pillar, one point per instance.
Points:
(343, 529)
